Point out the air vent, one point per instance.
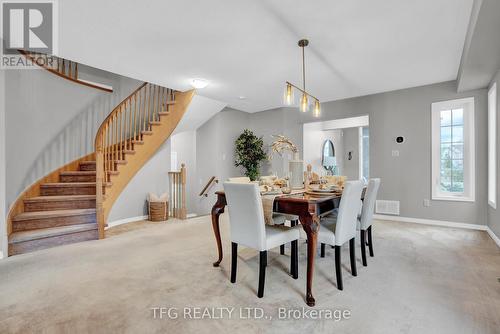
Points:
(387, 207)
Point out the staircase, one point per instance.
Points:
(57, 210)
(72, 203)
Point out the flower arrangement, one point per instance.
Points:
(282, 144)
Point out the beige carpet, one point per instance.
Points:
(423, 279)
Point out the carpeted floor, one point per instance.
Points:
(423, 279)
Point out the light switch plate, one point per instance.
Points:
(427, 202)
(395, 153)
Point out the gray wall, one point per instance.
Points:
(215, 151)
(3, 229)
(52, 121)
(494, 214)
(407, 113)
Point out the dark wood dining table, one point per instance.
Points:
(308, 208)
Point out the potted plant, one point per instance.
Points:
(249, 153)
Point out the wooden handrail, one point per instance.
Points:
(209, 183)
(125, 126)
(177, 189)
(61, 67)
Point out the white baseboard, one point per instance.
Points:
(126, 220)
(440, 223)
(493, 236)
(431, 222)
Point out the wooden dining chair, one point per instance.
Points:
(366, 218)
(339, 229)
(248, 228)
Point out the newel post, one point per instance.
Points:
(99, 158)
(183, 192)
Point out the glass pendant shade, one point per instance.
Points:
(304, 103)
(288, 98)
(317, 108)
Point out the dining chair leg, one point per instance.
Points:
(352, 251)
(363, 249)
(282, 249)
(338, 268)
(370, 241)
(262, 273)
(234, 259)
(294, 260)
(323, 246)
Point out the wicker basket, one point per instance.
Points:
(158, 211)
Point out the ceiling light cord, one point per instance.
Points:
(303, 69)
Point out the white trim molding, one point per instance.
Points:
(440, 223)
(1, 255)
(492, 146)
(126, 220)
(493, 236)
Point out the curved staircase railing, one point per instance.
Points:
(129, 136)
(62, 67)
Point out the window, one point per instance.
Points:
(492, 146)
(453, 150)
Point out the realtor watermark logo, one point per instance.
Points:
(30, 26)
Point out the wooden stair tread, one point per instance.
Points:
(87, 163)
(78, 172)
(52, 214)
(23, 236)
(68, 184)
(59, 198)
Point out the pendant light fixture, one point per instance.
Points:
(305, 96)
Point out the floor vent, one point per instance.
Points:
(387, 207)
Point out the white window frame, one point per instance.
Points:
(492, 146)
(469, 150)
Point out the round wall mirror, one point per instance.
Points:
(328, 156)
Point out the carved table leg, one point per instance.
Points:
(216, 212)
(310, 226)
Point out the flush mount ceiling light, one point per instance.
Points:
(304, 99)
(199, 83)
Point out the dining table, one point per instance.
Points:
(309, 209)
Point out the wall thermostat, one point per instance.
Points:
(399, 140)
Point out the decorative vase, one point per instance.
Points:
(296, 169)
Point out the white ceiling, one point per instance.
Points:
(249, 48)
(200, 110)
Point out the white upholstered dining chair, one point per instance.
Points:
(248, 228)
(278, 219)
(339, 229)
(366, 217)
(239, 179)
